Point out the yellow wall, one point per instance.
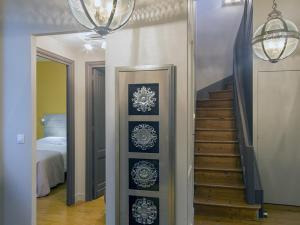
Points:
(51, 91)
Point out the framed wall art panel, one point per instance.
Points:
(143, 99)
(144, 174)
(145, 154)
(143, 136)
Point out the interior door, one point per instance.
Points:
(98, 131)
(278, 136)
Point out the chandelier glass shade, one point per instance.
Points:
(102, 16)
(276, 39)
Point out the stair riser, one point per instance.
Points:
(215, 104)
(229, 213)
(215, 124)
(216, 148)
(216, 135)
(219, 113)
(220, 95)
(217, 162)
(218, 177)
(225, 195)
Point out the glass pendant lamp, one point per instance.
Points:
(277, 39)
(102, 16)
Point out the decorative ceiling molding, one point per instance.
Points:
(150, 12)
(36, 13)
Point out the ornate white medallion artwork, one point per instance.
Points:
(144, 211)
(144, 174)
(143, 99)
(144, 136)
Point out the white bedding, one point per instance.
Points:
(58, 144)
(51, 163)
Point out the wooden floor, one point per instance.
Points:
(277, 215)
(52, 210)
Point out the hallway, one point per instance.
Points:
(52, 210)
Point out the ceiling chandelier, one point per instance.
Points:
(102, 16)
(276, 39)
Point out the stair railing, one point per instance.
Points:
(242, 80)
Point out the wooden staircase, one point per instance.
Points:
(219, 187)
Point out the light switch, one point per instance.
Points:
(20, 139)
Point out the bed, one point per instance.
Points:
(51, 154)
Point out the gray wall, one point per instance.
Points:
(216, 30)
(21, 20)
(157, 44)
(1, 119)
(276, 113)
(278, 152)
(152, 45)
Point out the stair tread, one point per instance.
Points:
(215, 118)
(217, 154)
(214, 108)
(224, 142)
(216, 129)
(229, 205)
(218, 99)
(219, 169)
(221, 91)
(239, 187)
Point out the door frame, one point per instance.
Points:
(89, 66)
(70, 119)
(192, 95)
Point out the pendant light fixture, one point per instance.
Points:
(277, 39)
(102, 16)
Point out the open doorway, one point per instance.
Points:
(55, 119)
(61, 126)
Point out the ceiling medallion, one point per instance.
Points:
(144, 211)
(144, 136)
(143, 99)
(144, 174)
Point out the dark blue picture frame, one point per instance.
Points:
(154, 205)
(134, 106)
(140, 167)
(138, 142)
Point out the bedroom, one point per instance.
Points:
(51, 125)
(67, 67)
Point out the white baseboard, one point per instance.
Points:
(79, 197)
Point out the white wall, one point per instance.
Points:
(80, 57)
(29, 17)
(153, 45)
(267, 76)
(278, 136)
(1, 119)
(216, 31)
